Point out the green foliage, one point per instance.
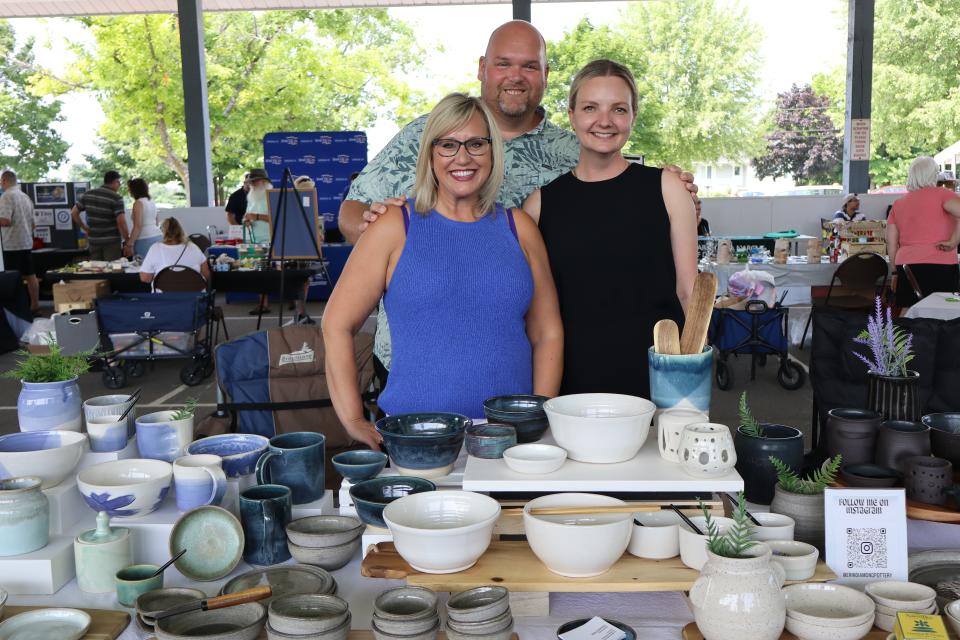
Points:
(51, 367)
(748, 424)
(188, 409)
(697, 65)
(738, 539)
(811, 485)
(28, 142)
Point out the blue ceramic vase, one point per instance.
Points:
(681, 380)
(24, 516)
(50, 406)
(265, 514)
(295, 460)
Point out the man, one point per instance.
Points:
(16, 222)
(237, 202)
(849, 211)
(106, 225)
(257, 220)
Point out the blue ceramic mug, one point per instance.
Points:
(265, 514)
(295, 460)
(199, 480)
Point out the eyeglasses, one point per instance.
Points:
(448, 147)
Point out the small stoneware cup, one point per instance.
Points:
(106, 433)
(136, 580)
(655, 535)
(199, 481)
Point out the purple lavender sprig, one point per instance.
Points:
(890, 346)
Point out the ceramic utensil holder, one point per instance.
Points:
(927, 479)
(706, 450)
(681, 381)
(265, 514)
(852, 433)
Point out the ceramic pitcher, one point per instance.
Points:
(734, 599)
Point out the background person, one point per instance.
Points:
(849, 210)
(257, 221)
(16, 226)
(174, 249)
(106, 224)
(237, 202)
(146, 228)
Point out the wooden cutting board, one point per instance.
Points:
(106, 624)
(691, 632)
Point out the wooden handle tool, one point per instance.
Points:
(219, 602)
(699, 311)
(666, 337)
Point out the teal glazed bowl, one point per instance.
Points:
(371, 496)
(360, 464)
(490, 440)
(522, 412)
(425, 445)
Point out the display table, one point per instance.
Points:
(262, 282)
(940, 306)
(798, 274)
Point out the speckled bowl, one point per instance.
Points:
(240, 451)
(828, 605)
(523, 412)
(329, 558)
(304, 614)
(490, 440)
(360, 464)
(405, 603)
(341, 632)
(371, 496)
(324, 531)
(425, 445)
(478, 604)
(240, 622)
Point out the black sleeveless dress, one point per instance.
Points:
(612, 261)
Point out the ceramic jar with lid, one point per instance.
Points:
(99, 554)
(24, 516)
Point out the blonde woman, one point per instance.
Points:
(174, 249)
(466, 285)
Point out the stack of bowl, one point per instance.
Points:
(952, 614)
(153, 602)
(483, 612)
(892, 597)
(329, 542)
(522, 412)
(819, 611)
(308, 617)
(406, 613)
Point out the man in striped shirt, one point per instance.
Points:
(106, 224)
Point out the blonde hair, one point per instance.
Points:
(172, 231)
(603, 68)
(923, 173)
(450, 114)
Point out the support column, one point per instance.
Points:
(521, 10)
(196, 116)
(856, 168)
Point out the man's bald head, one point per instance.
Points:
(513, 74)
(513, 31)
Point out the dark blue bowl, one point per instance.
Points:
(522, 412)
(371, 496)
(490, 440)
(423, 444)
(358, 465)
(576, 624)
(240, 451)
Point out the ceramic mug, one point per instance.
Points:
(106, 433)
(136, 580)
(670, 424)
(199, 480)
(265, 514)
(706, 450)
(295, 460)
(161, 437)
(110, 405)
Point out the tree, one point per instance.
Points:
(696, 63)
(804, 142)
(28, 142)
(266, 71)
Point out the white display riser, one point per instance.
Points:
(67, 507)
(44, 571)
(372, 536)
(91, 458)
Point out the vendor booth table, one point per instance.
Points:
(939, 306)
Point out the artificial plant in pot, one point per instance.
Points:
(892, 388)
(802, 498)
(755, 443)
(49, 395)
(738, 592)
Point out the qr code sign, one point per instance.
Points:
(866, 548)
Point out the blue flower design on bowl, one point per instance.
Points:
(113, 506)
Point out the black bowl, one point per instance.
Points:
(576, 624)
(869, 475)
(371, 496)
(522, 412)
(944, 436)
(421, 443)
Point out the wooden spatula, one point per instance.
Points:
(699, 311)
(666, 337)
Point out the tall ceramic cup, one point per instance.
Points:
(295, 460)
(199, 480)
(106, 433)
(670, 424)
(161, 437)
(265, 514)
(681, 381)
(110, 405)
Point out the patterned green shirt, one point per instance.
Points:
(532, 160)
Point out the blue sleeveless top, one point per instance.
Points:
(456, 305)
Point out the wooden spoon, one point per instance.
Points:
(699, 311)
(666, 337)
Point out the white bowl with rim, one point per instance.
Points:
(48, 455)
(828, 605)
(773, 526)
(657, 537)
(798, 559)
(952, 614)
(901, 595)
(600, 427)
(126, 488)
(534, 459)
(693, 547)
(806, 631)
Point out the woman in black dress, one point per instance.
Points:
(615, 285)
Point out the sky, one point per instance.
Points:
(801, 39)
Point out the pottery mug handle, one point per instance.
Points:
(219, 482)
(263, 472)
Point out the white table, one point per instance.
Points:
(799, 274)
(940, 306)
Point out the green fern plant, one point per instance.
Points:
(738, 539)
(813, 484)
(187, 410)
(749, 425)
(49, 367)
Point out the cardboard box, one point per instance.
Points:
(853, 248)
(78, 294)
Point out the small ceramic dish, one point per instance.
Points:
(288, 580)
(655, 536)
(887, 611)
(806, 631)
(869, 475)
(406, 627)
(773, 526)
(46, 624)
(307, 613)
(323, 531)
(239, 622)
(360, 464)
(900, 595)
(153, 602)
(213, 538)
(828, 605)
(534, 459)
(489, 440)
(405, 603)
(480, 603)
(341, 632)
(329, 558)
(371, 496)
(380, 634)
(798, 559)
(239, 451)
(576, 624)
(522, 412)
(482, 628)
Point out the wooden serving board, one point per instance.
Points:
(106, 624)
(513, 565)
(691, 632)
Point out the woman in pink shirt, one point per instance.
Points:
(922, 233)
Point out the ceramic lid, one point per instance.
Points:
(103, 533)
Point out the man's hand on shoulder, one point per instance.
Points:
(376, 210)
(685, 176)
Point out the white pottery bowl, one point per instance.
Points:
(442, 531)
(693, 547)
(798, 559)
(536, 459)
(901, 595)
(49, 455)
(773, 526)
(658, 537)
(807, 631)
(893, 612)
(599, 427)
(581, 545)
(126, 488)
(884, 621)
(828, 605)
(952, 612)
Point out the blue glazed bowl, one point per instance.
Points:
(423, 444)
(371, 496)
(490, 440)
(359, 465)
(522, 412)
(576, 624)
(240, 451)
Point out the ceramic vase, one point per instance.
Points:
(265, 513)
(681, 381)
(738, 598)
(927, 479)
(753, 459)
(160, 437)
(900, 439)
(706, 450)
(852, 433)
(894, 397)
(99, 554)
(670, 424)
(806, 511)
(24, 516)
(50, 406)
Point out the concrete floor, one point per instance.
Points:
(162, 388)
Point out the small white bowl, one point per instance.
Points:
(884, 621)
(798, 559)
(893, 612)
(952, 614)
(535, 459)
(828, 605)
(657, 538)
(600, 427)
(807, 631)
(774, 526)
(693, 547)
(901, 595)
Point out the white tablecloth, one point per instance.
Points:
(784, 275)
(938, 306)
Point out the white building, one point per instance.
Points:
(949, 158)
(735, 178)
